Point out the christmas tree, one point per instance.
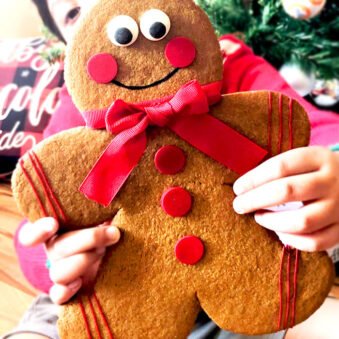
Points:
(276, 36)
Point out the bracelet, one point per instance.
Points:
(48, 264)
(334, 148)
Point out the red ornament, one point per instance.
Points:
(170, 159)
(180, 52)
(102, 68)
(176, 201)
(189, 250)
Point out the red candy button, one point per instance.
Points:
(189, 250)
(176, 202)
(170, 160)
(102, 68)
(180, 52)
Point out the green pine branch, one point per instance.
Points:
(274, 35)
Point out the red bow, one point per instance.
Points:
(186, 114)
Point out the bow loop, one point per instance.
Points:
(190, 99)
(122, 116)
(159, 115)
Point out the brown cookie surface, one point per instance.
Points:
(241, 259)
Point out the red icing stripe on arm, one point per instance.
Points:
(43, 185)
(290, 125)
(269, 125)
(29, 179)
(47, 187)
(281, 123)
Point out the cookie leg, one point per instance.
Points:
(97, 316)
(264, 292)
(135, 296)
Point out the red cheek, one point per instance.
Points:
(102, 68)
(180, 52)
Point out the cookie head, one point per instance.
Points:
(139, 51)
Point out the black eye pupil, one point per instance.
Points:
(157, 30)
(73, 13)
(123, 36)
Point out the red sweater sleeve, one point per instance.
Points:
(244, 71)
(65, 117)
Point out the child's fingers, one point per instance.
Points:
(305, 220)
(66, 270)
(80, 241)
(62, 293)
(318, 241)
(296, 161)
(304, 187)
(36, 233)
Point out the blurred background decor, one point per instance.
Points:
(309, 43)
(28, 96)
(31, 77)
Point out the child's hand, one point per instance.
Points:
(310, 175)
(74, 256)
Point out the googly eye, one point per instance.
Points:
(123, 31)
(155, 24)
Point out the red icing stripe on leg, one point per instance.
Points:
(83, 312)
(288, 293)
(94, 317)
(281, 287)
(295, 280)
(103, 317)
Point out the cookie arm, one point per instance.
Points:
(273, 121)
(245, 71)
(47, 179)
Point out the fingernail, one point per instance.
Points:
(113, 233)
(101, 250)
(74, 285)
(50, 228)
(237, 188)
(50, 225)
(237, 206)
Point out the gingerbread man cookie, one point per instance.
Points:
(159, 155)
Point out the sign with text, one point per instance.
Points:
(29, 88)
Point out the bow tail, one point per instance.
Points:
(113, 168)
(220, 142)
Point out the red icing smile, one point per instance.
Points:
(180, 52)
